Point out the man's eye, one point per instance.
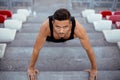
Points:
(65, 26)
(57, 26)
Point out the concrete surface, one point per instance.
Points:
(61, 61)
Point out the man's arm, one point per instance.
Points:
(82, 35)
(40, 40)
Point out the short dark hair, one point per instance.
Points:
(62, 14)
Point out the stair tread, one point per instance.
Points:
(100, 52)
(65, 75)
(71, 43)
(61, 58)
(58, 63)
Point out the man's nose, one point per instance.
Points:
(61, 30)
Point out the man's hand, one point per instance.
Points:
(93, 74)
(32, 74)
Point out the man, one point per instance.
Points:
(61, 27)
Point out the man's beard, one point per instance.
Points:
(61, 34)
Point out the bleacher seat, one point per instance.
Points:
(116, 13)
(13, 24)
(2, 49)
(8, 13)
(118, 43)
(102, 25)
(23, 11)
(117, 25)
(2, 18)
(114, 18)
(112, 36)
(94, 17)
(20, 17)
(106, 13)
(87, 12)
(7, 35)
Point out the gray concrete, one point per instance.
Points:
(64, 61)
(72, 75)
(71, 59)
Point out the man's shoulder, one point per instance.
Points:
(79, 29)
(45, 26)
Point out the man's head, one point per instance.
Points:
(61, 22)
(62, 14)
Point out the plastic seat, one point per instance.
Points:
(87, 12)
(13, 24)
(94, 17)
(2, 49)
(114, 18)
(118, 43)
(112, 36)
(8, 13)
(2, 18)
(116, 13)
(106, 13)
(102, 25)
(23, 11)
(7, 35)
(20, 17)
(117, 25)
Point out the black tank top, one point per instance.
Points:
(52, 39)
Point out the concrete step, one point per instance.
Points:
(71, 43)
(70, 52)
(31, 25)
(64, 75)
(41, 17)
(38, 18)
(32, 36)
(60, 59)
(54, 64)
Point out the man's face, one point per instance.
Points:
(61, 27)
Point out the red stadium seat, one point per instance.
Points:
(6, 12)
(2, 18)
(105, 13)
(117, 24)
(114, 18)
(116, 13)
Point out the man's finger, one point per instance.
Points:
(95, 77)
(36, 71)
(32, 77)
(28, 77)
(91, 77)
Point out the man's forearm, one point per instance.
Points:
(33, 59)
(92, 58)
(38, 45)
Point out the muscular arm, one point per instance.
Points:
(40, 40)
(82, 35)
